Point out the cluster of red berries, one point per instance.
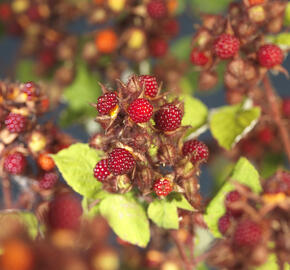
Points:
(135, 118)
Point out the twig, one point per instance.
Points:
(192, 234)
(275, 112)
(6, 191)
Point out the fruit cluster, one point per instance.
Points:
(239, 38)
(251, 222)
(144, 141)
(23, 139)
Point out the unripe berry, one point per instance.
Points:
(106, 41)
(226, 46)
(30, 89)
(150, 85)
(168, 118)
(196, 150)
(270, 55)
(198, 58)
(162, 187)
(45, 162)
(15, 122)
(101, 170)
(121, 161)
(15, 163)
(140, 110)
(107, 103)
(157, 9)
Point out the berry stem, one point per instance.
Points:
(275, 112)
(6, 191)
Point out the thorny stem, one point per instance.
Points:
(6, 191)
(275, 112)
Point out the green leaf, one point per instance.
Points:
(287, 15)
(127, 218)
(181, 48)
(271, 263)
(210, 6)
(31, 223)
(25, 71)
(230, 123)
(164, 211)
(76, 165)
(245, 173)
(195, 112)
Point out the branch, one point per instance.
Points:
(275, 113)
(6, 191)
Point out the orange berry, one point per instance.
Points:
(45, 162)
(172, 6)
(17, 255)
(99, 2)
(256, 2)
(106, 41)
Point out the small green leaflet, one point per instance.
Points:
(210, 6)
(230, 123)
(76, 165)
(287, 15)
(163, 212)
(127, 218)
(25, 71)
(245, 173)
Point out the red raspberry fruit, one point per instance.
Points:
(168, 118)
(157, 9)
(270, 55)
(15, 122)
(171, 27)
(162, 187)
(247, 234)
(158, 47)
(150, 85)
(101, 171)
(120, 161)
(15, 163)
(48, 180)
(140, 110)
(224, 223)
(30, 89)
(198, 58)
(286, 107)
(197, 151)
(232, 197)
(64, 212)
(226, 46)
(106, 103)
(266, 135)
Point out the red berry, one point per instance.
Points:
(162, 187)
(198, 58)
(48, 180)
(247, 234)
(106, 103)
(270, 55)
(158, 47)
(64, 212)
(15, 163)
(101, 171)
(47, 57)
(33, 13)
(224, 223)
(286, 107)
(233, 197)
(157, 9)
(30, 89)
(197, 151)
(5, 12)
(171, 27)
(150, 85)
(168, 118)
(140, 110)
(266, 135)
(226, 46)
(15, 122)
(121, 161)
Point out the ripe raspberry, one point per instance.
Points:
(64, 212)
(286, 107)
(101, 171)
(30, 89)
(15, 122)
(247, 234)
(120, 161)
(157, 9)
(162, 187)
(171, 27)
(198, 58)
(106, 103)
(226, 46)
(150, 85)
(197, 151)
(15, 163)
(232, 197)
(158, 47)
(224, 223)
(48, 180)
(270, 55)
(168, 118)
(266, 135)
(45, 162)
(140, 110)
